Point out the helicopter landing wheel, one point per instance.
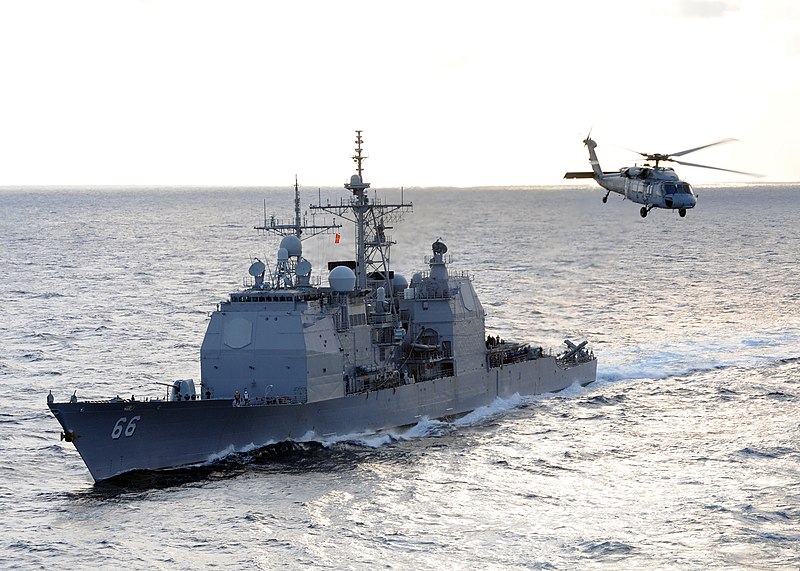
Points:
(605, 198)
(682, 212)
(643, 212)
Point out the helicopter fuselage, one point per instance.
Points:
(652, 186)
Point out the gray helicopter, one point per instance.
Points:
(653, 186)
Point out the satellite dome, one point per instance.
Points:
(355, 180)
(342, 279)
(283, 255)
(399, 283)
(293, 245)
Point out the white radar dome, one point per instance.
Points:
(342, 279)
(399, 283)
(293, 245)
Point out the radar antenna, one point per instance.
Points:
(296, 227)
(358, 157)
(370, 218)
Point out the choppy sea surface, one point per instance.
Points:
(684, 454)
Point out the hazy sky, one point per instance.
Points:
(447, 92)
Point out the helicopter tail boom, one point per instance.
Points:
(593, 160)
(596, 173)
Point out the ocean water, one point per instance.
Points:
(685, 454)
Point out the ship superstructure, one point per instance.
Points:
(285, 358)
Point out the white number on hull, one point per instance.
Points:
(129, 429)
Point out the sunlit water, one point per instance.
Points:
(685, 454)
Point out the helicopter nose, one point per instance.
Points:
(684, 201)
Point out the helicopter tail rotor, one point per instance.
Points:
(589, 142)
(588, 138)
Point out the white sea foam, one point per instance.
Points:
(657, 360)
(221, 455)
(427, 428)
(371, 439)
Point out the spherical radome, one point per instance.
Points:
(342, 279)
(293, 245)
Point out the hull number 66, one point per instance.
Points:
(121, 428)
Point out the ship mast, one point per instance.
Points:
(370, 218)
(360, 207)
(358, 157)
(298, 228)
(283, 228)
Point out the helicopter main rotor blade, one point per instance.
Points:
(637, 152)
(715, 168)
(680, 154)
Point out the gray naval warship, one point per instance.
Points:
(286, 359)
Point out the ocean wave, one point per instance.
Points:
(687, 356)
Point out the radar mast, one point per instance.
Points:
(371, 218)
(296, 227)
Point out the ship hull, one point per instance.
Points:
(123, 436)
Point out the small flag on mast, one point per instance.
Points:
(338, 237)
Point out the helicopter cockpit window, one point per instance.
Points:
(683, 187)
(669, 187)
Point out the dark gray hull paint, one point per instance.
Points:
(173, 434)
